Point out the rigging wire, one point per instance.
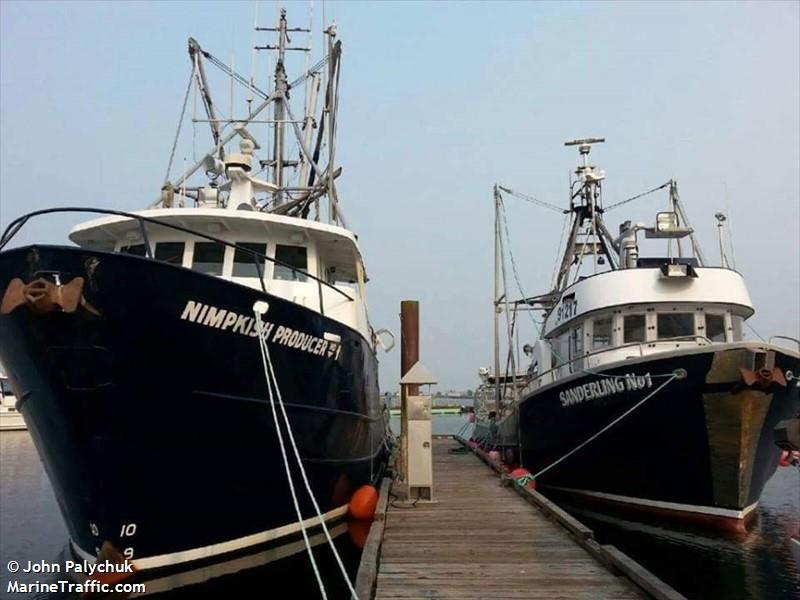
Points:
(558, 251)
(533, 200)
(636, 197)
(754, 331)
(180, 124)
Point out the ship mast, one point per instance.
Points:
(502, 304)
(314, 181)
(588, 234)
(278, 161)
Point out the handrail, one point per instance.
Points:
(785, 337)
(626, 345)
(19, 222)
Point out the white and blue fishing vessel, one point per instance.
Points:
(642, 390)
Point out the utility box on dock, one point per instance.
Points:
(416, 428)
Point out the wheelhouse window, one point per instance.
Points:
(715, 327)
(576, 343)
(559, 348)
(601, 333)
(673, 325)
(737, 322)
(634, 328)
(294, 256)
(208, 257)
(246, 264)
(135, 249)
(170, 252)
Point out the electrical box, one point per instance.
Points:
(416, 449)
(420, 455)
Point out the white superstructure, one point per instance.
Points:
(609, 304)
(320, 250)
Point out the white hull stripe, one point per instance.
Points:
(234, 565)
(692, 508)
(162, 560)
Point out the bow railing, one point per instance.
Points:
(17, 224)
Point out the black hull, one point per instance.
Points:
(702, 448)
(145, 416)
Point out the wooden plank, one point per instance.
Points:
(383, 499)
(477, 540)
(643, 578)
(549, 508)
(368, 567)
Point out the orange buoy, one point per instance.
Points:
(358, 530)
(342, 490)
(363, 503)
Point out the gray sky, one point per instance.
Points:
(438, 102)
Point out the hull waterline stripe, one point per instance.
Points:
(193, 554)
(693, 508)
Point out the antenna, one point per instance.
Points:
(723, 259)
(588, 234)
(585, 142)
(585, 145)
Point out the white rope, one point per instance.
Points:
(270, 373)
(266, 360)
(672, 377)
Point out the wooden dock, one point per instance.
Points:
(481, 539)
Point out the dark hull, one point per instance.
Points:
(702, 448)
(143, 417)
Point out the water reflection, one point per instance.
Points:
(700, 564)
(31, 527)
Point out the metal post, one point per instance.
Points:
(496, 299)
(146, 241)
(409, 339)
(279, 112)
(332, 207)
(409, 355)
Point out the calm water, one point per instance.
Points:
(699, 565)
(757, 565)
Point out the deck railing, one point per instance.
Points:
(17, 224)
(784, 337)
(703, 340)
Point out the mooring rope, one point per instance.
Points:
(266, 361)
(463, 429)
(272, 380)
(677, 374)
